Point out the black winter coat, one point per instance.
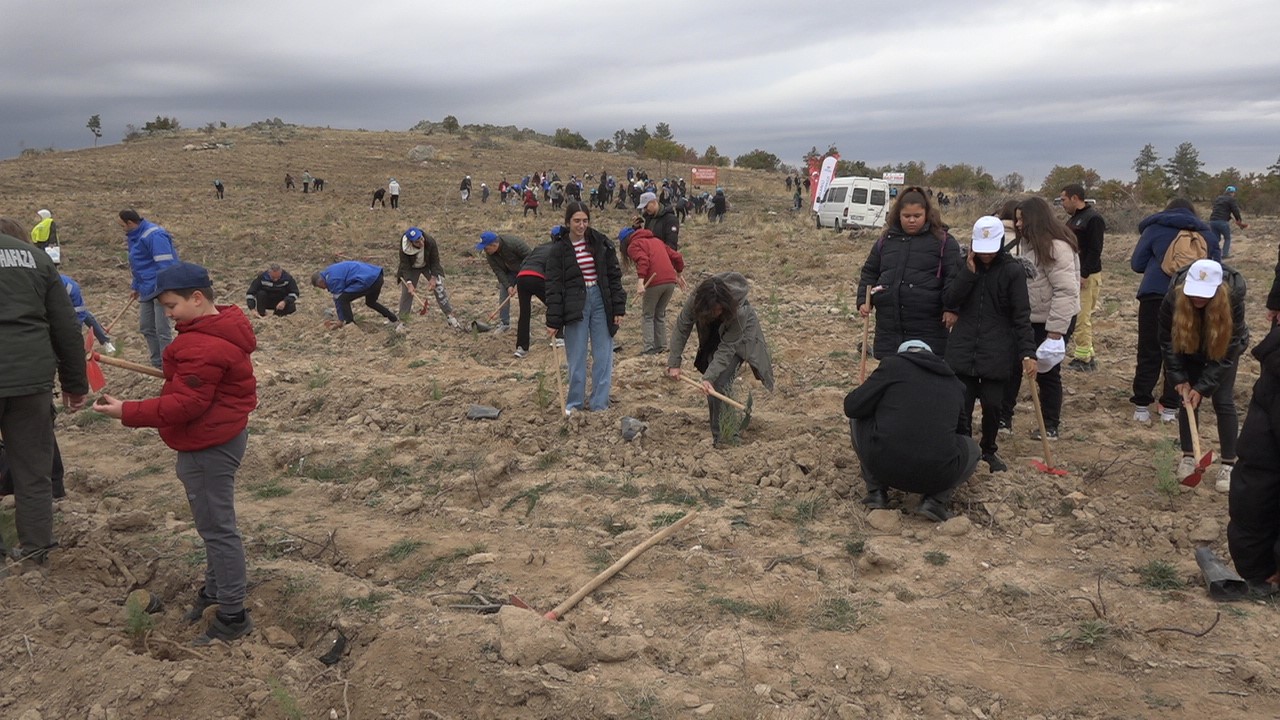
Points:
(1260, 435)
(994, 328)
(911, 402)
(1196, 368)
(665, 226)
(913, 270)
(566, 290)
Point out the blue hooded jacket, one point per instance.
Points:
(1158, 231)
(77, 300)
(350, 276)
(150, 248)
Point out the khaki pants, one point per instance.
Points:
(1090, 288)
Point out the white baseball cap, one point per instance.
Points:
(1203, 279)
(988, 234)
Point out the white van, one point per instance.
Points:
(854, 202)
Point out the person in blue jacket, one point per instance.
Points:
(350, 280)
(1157, 233)
(83, 315)
(150, 248)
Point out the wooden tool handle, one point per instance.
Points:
(1195, 431)
(615, 568)
(117, 362)
(498, 309)
(715, 394)
(1044, 434)
(119, 315)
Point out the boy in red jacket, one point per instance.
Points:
(202, 412)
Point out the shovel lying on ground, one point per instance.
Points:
(714, 394)
(1222, 581)
(1047, 465)
(1196, 475)
(615, 568)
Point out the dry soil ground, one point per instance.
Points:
(369, 504)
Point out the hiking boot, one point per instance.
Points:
(994, 463)
(1076, 364)
(226, 629)
(1083, 365)
(876, 500)
(1142, 414)
(203, 602)
(520, 352)
(1186, 466)
(1051, 433)
(1168, 415)
(108, 348)
(1006, 427)
(1223, 482)
(933, 510)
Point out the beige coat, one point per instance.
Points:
(1055, 290)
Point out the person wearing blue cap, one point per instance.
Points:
(351, 280)
(506, 253)
(420, 255)
(1224, 208)
(203, 413)
(902, 422)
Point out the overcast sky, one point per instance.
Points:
(1011, 86)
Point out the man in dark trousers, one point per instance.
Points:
(903, 423)
(658, 219)
(351, 280)
(1253, 534)
(1224, 208)
(274, 290)
(1090, 229)
(41, 336)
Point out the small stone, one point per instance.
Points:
(128, 521)
(1043, 529)
(956, 705)
(31, 714)
(365, 488)
(411, 504)
(633, 428)
(483, 558)
(690, 700)
(762, 690)
(182, 677)
(886, 521)
(704, 709)
(879, 669)
(1251, 670)
(956, 526)
(278, 637)
(840, 672)
(850, 711)
(556, 671)
(1206, 531)
(483, 412)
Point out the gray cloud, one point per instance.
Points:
(1009, 86)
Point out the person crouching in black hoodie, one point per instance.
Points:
(1253, 533)
(902, 422)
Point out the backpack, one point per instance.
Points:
(1187, 247)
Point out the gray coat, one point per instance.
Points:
(723, 344)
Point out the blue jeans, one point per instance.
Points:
(505, 313)
(92, 323)
(1223, 229)
(155, 328)
(593, 326)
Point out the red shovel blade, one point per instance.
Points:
(1197, 475)
(97, 380)
(1046, 469)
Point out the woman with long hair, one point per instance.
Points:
(586, 298)
(1202, 334)
(905, 275)
(1049, 249)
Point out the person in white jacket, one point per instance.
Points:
(393, 189)
(1049, 250)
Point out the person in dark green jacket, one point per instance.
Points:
(506, 253)
(41, 337)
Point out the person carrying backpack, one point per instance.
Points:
(1156, 245)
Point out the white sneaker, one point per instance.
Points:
(1142, 415)
(500, 328)
(108, 348)
(453, 323)
(559, 342)
(1223, 483)
(521, 352)
(1168, 415)
(1186, 466)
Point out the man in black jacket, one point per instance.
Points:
(902, 422)
(1224, 208)
(274, 290)
(1090, 230)
(1253, 534)
(658, 219)
(506, 253)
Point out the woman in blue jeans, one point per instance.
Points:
(586, 299)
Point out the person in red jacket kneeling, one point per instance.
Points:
(202, 412)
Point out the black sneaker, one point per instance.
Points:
(203, 602)
(1006, 427)
(876, 500)
(994, 463)
(1077, 364)
(933, 510)
(1051, 433)
(226, 629)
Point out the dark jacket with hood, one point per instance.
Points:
(1260, 435)
(1090, 229)
(994, 326)
(665, 226)
(914, 271)
(428, 256)
(906, 413)
(1181, 367)
(38, 326)
(567, 291)
(1157, 233)
(507, 261)
(722, 344)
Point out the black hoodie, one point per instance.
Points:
(912, 402)
(665, 226)
(1260, 436)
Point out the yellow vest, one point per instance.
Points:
(40, 233)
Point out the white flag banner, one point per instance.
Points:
(824, 179)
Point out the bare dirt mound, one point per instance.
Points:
(372, 507)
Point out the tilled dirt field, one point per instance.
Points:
(370, 505)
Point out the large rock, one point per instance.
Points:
(422, 152)
(1206, 531)
(527, 639)
(886, 521)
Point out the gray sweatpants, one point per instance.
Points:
(26, 425)
(653, 327)
(209, 477)
(154, 326)
(442, 296)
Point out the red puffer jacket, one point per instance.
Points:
(654, 258)
(209, 389)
